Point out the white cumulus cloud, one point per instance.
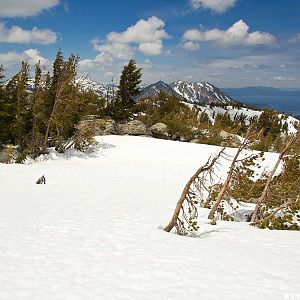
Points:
(25, 8)
(102, 59)
(119, 50)
(217, 6)
(151, 48)
(13, 58)
(143, 31)
(18, 35)
(191, 46)
(146, 36)
(34, 56)
(237, 34)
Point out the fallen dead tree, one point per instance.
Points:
(185, 215)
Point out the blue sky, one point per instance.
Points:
(231, 43)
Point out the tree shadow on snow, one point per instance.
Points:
(208, 232)
(92, 152)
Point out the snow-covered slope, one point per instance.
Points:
(154, 89)
(102, 90)
(92, 232)
(196, 93)
(248, 113)
(200, 93)
(203, 95)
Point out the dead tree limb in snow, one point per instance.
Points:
(186, 221)
(273, 214)
(245, 143)
(259, 202)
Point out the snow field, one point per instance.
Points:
(93, 231)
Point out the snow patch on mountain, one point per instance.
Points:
(248, 113)
(153, 90)
(102, 90)
(201, 93)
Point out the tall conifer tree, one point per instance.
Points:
(129, 83)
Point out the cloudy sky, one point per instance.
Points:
(231, 43)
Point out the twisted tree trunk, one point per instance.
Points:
(184, 195)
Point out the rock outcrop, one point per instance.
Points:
(159, 130)
(134, 127)
(100, 126)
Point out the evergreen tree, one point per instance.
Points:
(129, 83)
(21, 100)
(52, 82)
(38, 111)
(5, 117)
(124, 106)
(64, 111)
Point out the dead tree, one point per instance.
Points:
(256, 216)
(247, 140)
(83, 137)
(185, 221)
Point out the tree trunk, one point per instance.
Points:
(209, 164)
(60, 86)
(226, 183)
(263, 196)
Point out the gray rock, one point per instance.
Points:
(8, 154)
(186, 138)
(229, 137)
(243, 215)
(134, 127)
(195, 141)
(159, 130)
(100, 126)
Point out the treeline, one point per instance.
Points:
(45, 116)
(49, 114)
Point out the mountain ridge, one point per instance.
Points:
(198, 93)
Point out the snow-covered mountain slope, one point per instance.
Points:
(200, 93)
(193, 94)
(93, 231)
(248, 113)
(196, 93)
(102, 90)
(87, 85)
(154, 89)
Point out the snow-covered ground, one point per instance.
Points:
(93, 232)
(212, 112)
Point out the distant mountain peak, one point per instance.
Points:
(200, 92)
(154, 89)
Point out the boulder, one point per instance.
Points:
(230, 137)
(134, 127)
(195, 141)
(187, 138)
(159, 130)
(243, 215)
(99, 126)
(224, 134)
(8, 154)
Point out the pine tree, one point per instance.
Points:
(22, 120)
(38, 111)
(124, 106)
(129, 83)
(63, 112)
(52, 82)
(4, 111)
